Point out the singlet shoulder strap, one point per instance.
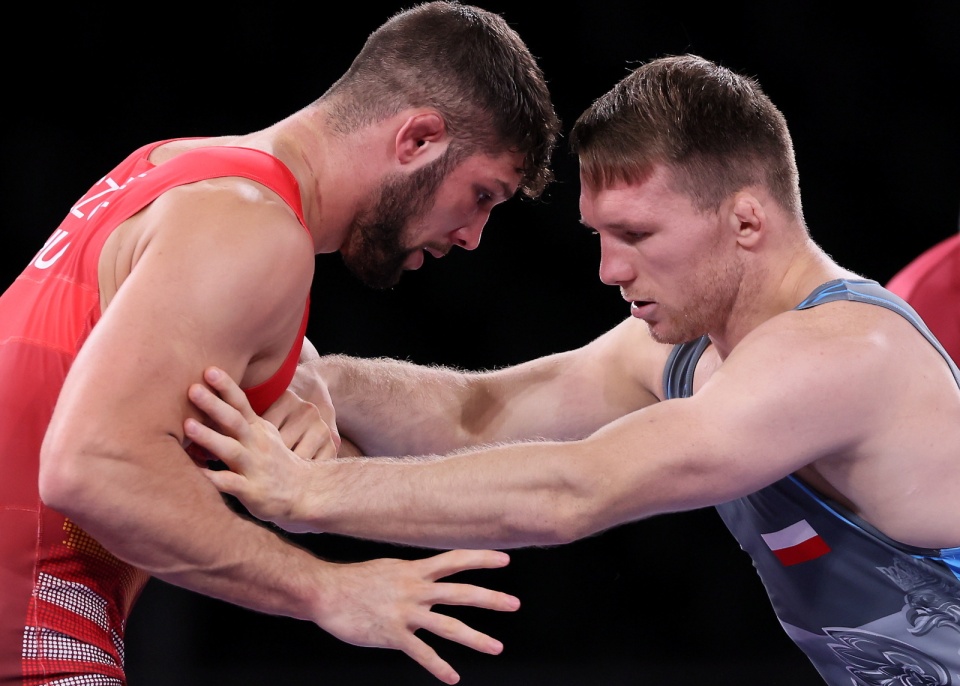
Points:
(681, 364)
(872, 293)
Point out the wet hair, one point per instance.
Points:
(469, 65)
(717, 131)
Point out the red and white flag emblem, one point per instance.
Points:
(797, 543)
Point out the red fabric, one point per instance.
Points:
(931, 284)
(64, 600)
(810, 549)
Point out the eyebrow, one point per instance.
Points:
(621, 226)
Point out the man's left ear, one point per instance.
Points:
(421, 138)
(748, 219)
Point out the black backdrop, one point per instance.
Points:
(871, 97)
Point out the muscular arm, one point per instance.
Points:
(764, 414)
(391, 407)
(113, 459)
(212, 278)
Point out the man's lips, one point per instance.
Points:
(416, 257)
(642, 308)
(414, 260)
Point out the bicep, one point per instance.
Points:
(187, 303)
(754, 422)
(569, 395)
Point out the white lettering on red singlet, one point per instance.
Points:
(111, 187)
(45, 258)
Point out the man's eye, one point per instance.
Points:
(484, 197)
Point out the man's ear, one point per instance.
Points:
(747, 218)
(421, 138)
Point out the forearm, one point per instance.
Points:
(493, 495)
(162, 516)
(510, 496)
(391, 407)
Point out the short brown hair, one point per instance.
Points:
(469, 65)
(716, 130)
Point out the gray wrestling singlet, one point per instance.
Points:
(867, 610)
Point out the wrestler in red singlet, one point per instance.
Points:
(64, 600)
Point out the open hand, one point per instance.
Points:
(266, 476)
(382, 603)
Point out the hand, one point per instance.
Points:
(265, 475)
(304, 427)
(378, 603)
(381, 603)
(309, 385)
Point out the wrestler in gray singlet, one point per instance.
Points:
(866, 610)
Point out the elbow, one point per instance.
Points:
(584, 502)
(581, 519)
(556, 525)
(62, 482)
(567, 510)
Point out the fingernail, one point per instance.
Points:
(213, 374)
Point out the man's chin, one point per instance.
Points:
(382, 282)
(662, 332)
(381, 279)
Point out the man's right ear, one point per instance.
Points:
(422, 138)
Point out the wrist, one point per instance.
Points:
(312, 508)
(329, 371)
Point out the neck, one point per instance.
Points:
(318, 159)
(786, 280)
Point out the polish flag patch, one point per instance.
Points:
(797, 543)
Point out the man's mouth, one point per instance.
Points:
(641, 308)
(414, 260)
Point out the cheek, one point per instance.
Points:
(451, 216)
(441, 213)
(684, 257)
(662, 264)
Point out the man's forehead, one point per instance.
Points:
(503, 171)
(624, 202)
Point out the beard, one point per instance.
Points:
(375, 248)
(714, 289)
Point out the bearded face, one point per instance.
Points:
(377, 243)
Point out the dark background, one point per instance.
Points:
(871, 98)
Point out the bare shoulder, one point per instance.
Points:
(847, 371)
(228, 252)
(863, 341)
(848, 396)
(864, 408)
(808, 384)
(234, 225)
